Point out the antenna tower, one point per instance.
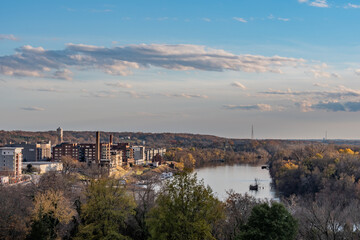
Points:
(252, 131)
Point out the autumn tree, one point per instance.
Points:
(69, 164)
(185, 209)
(50, 209)
(238, 209)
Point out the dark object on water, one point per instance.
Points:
(264, 167)
(254, 187)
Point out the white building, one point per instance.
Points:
(139, 154)
(10, 161)
(4, 180)
(150, 153)
(44, 167)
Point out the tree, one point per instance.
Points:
(186, 209)
(107, 208)
(50, 209)
(69, 164)
(30, 169)
(269, 222)
(238, 210)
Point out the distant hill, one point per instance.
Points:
(154, 139)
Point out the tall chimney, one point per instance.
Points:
(111, 139)
(97, 148)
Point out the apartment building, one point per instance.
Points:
(10, 161)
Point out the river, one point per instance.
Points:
(237, 177)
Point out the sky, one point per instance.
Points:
(289, 68)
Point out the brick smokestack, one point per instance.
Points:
(97, 148)
(111, 140)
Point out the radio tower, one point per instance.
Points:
(252, 131)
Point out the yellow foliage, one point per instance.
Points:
(289, 166)
(347, 151)
(188, 160)
(53, 202)
(319, 156)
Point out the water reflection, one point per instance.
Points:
(237, 177)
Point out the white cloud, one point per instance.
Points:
(64, 74)
(186, 95)
(119, 85)
(302, 1)
(283, 19)
(357, 72)
(340, 92)
(323, 85)
(259, 107)
(32, 108)
(206, 19)
(239, 19)
(134, 94)
(350, 5)
(238, 85)
(43, 89)
(320, 3)
(8, 37)
(120, 60)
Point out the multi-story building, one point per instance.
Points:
(87, 153)
(28, 150)
(10, 161)
(116, 158)
(139, 154)
(105, 150)
(34, 152)
(127, 151)
(151, 152)
(43, 151)
(65, 149)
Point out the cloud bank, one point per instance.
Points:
(37, 62)
(32, 108)
(259, 107)
(8, 37)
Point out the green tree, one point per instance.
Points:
(273, 223)
(186, 209)
(106, 210)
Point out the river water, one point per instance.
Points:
(237, 177)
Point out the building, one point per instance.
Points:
(139, 154)
(105, 150)
(65, 149)
(87, 153)
(34, 152)
(43, 151)
(28, 150)
(127, 153)
(116, 158)
(151, 152)
(44, 167)
(60, 135)
(11, 161)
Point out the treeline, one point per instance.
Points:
(200, 157)
(322, 187)
(60, 206)
(183, 140)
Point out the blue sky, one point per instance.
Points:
(290, 68)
